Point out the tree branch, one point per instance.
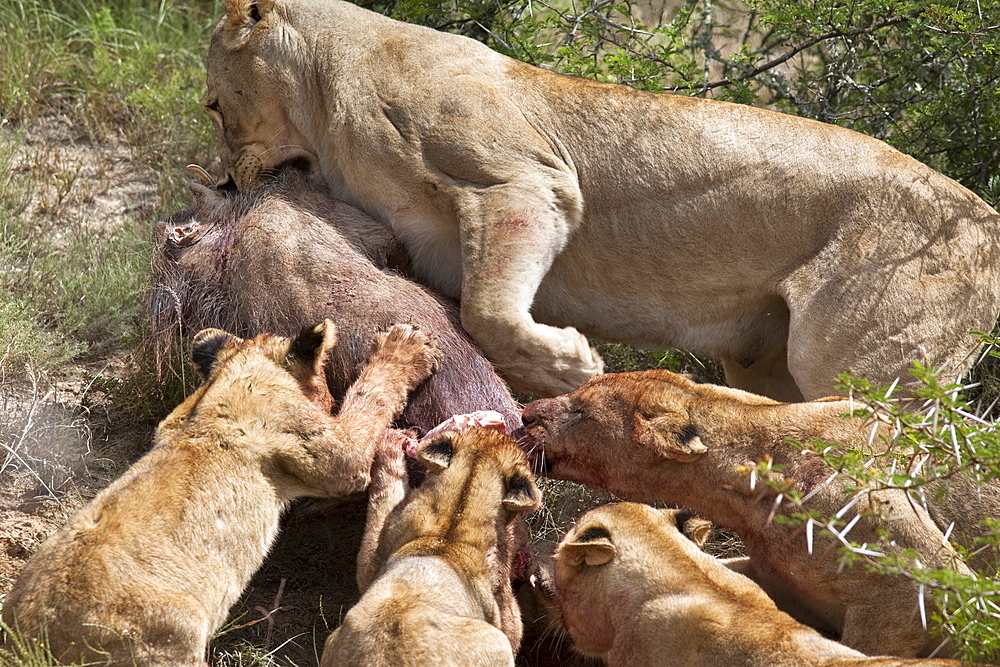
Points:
(796, 49)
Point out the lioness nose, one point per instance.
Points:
(534, 410)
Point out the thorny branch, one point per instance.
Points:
(796, 49)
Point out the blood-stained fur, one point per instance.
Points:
(435, 567)
(287, 254)
(656, 435)
(146, 573)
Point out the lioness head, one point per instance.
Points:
(614, 429)
(259, 93)
(613, 557)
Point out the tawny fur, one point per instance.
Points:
(286, 255)
(656, 435)
(634, 591)
(146, 572)
(435, 565)
(550, 205)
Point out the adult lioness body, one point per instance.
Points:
(790, 249)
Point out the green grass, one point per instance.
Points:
(136, 71)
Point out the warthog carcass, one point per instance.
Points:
(287, 254)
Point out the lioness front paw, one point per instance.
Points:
(555, 361)
(410, 349)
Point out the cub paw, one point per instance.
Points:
(411, 349)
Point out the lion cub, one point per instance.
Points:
(147, 571)
(636, 592)
(656, 435)
(435, 566)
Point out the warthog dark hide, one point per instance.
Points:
(285, 256)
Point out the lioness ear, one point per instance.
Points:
(206, 346)
(668, 437)
(311, 346)
(693, 527)
(522, 495)
(592, 547)
(241, 17)
(436, 454)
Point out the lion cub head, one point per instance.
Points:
(614, 559)
(269, 378)
(478, 490)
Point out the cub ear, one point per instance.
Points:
(522, 495)
(311, 346)
(241, 17)
(592, 547)
(206, 346)
(695, 528)
(436, 454)
(669, 436)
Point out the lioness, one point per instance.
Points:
(436, 563)
(656, 435)
(147, 571)
(789, 249)
(636, 592)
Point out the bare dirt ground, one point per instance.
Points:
(60, 441)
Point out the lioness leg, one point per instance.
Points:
(517, 197)
(876, 323)
(505, 257)
(768, 375)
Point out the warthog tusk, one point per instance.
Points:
(202, 175)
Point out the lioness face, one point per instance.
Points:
(615, 432)
(253, 75)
